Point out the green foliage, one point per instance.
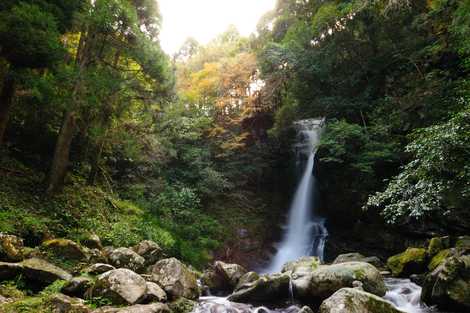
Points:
(438, 176)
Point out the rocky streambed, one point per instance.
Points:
(63, 276)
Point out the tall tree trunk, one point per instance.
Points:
(6, 101)
(61, 154)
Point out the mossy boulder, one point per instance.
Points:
(43, 271)
(412, 261)
(127, 258)
(64, 304)
(352, 300)
(463, 242)
(150, 251)
(121, 286)
(448, 286)
(357, 257)
(11, 248)
(65, 249)
(327, 279)
(437, 244)
(438, 259)
(309, 264)
(223, 277)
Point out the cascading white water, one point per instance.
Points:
(306, 233)
(406, 296)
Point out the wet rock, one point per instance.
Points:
(349, 300)
(150, 251)
(154, 293)
(223, 276)
(92, 241)
(448, 286)
(126, 258)
(305, 264)
(247, 278)
(139, 308)
(99, 268)
(66, 249)
(357, 257)
(175, 278)
(77, 286)
(266, 289)
(412, 261)
(121, 286)
(11, 248)
(439, 258)
(43, 271)
(64, 304)
(418, 279)
(327, 279)
(305, 309)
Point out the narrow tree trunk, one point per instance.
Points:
(62, 151)
(6, 101)
(95, 163)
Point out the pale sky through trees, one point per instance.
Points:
(204, 19)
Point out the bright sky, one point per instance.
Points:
(204, 19)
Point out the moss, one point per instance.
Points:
(409, 262)
(436, 244)
(182, 305)
(438, 259)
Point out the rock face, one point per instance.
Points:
(139, 308)
(121, 286)
(126, 258)
(11, 248)
(150, 251)
(448, 286)
(349, 300)
(223, 276)
(327, 279)
(42, 271)
(66, 249)
(357, 257)
(175, 278)
(266, 289)
(412, 261)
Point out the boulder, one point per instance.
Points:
(439, 258)
(96, 256)
(175, 278)
(412, 261)
(223, 276)
(357, 257)
(43, 271)
(99, 268)
(126, 258)
(92, 241)
(121, 286)
(327, 279)
(11, 248)
(448, 286)
(351, 300)
(66, 249)
(266, 289)
(64, 304)
(309, 264)
(150, 251)
(305, 309)
(437, 244)
(247, 278)
(154, 293)
(77, 286)
(139, 308)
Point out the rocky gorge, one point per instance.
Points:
(63, 276)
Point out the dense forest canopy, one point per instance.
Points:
(91, 104)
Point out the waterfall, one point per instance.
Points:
(305, 233)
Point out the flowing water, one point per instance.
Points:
(405, 295)
(305, 233)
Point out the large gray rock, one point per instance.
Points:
(11, 248)
(349, 300)
(448, 286)
(327, 279)
(357, 257)
(126, 258)
(150, 251)
(304, 264)
(64, 304)
(154, 293)
(43, 271)
(121, 286)
(139, 308)
(266, 289)
(77, 286)
(175, 278)
(223, 276)
(99, 268)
